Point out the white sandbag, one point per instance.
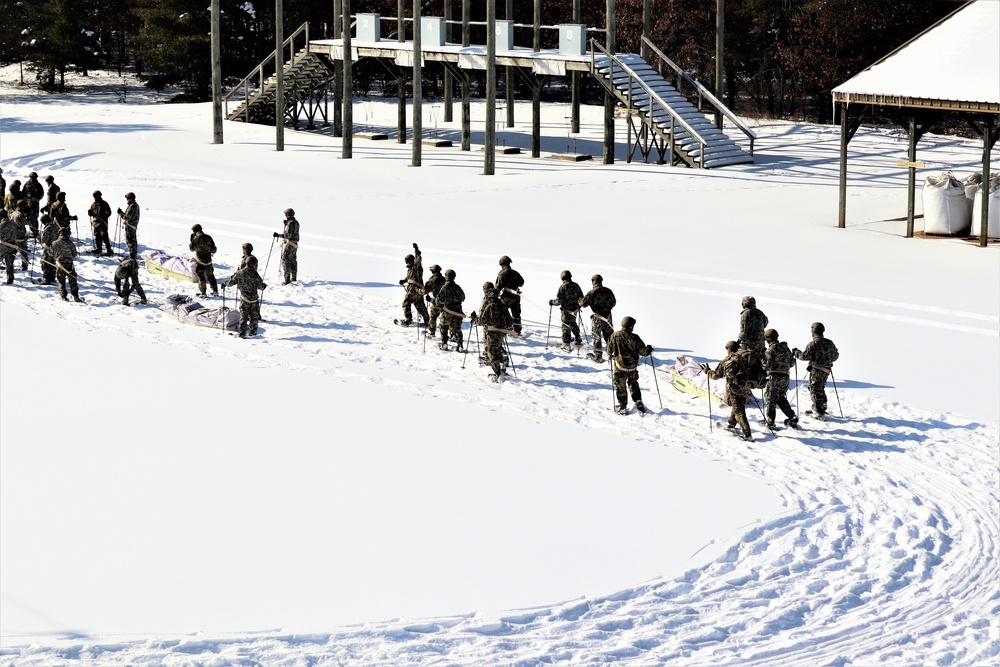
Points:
(971, 184)
(993, 225)
(945, 208)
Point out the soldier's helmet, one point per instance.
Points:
(248, 247)
(21, 205)
(449, 274)
(195, 228)
(770, 335)
(435, 268)
(49, 178)
(505, 261)
(628, 322)
(97, 193)
(489, 288)
(129, 195)
(408, 259)
(289, 212)
(33, 175)
(732, 346)
(14, 185)
(45, 219)
(817, 328)
(64, 232)
(565, 275)
(597, 279)
(749, 302)
(61, 196)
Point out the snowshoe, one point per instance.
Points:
(622, 410)
(596, 357)
(641, 407)
(443, 347)
(745, 437)
(793, 423)
(403, 323)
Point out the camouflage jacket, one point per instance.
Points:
(10, 201)
(20, 220)
(820, 352)
(414, 279)
(33, 191)
(100, 210)
(8, 237)
(569, 296)
(600, 300)
(247, 281)
(434, 284)
(50, 194)
(494, 315)
(451, 297)
(246, 258)
(60, 214)
(778, 359)
(203, 247)
(734, 369)
(129, 268)
(626, 348)
(508, 282)
(291, 232)
(752, 324)
(49, 235)
(131, 216)
(64, 251)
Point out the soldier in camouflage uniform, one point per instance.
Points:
(13, 196)
(777, 360)
(130, 218)
(568, 299)
(203, 248)
(60, 212)
(625, 348)
(414, 285)
(496, 322)
(248, 281)
(734, 369)
(51, 194)
(752, 324)
(64, 251)
(247, 254)
(33, 192)
(449, 302)
(290, 246)
(600, 300)
(20, 218)
(431, 289)
(50, 234)
(508, 285)
(3, 183)
(820, 353)
(127, 280)
(100, 214)
(8, 243)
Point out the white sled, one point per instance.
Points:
(189, 311)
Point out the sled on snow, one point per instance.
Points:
(688, 376)
(161, 264)
(189, 311)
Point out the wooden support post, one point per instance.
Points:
(575, 93)
(509, 74)
(216, 75)
(489, 149)
(609, 100)
(449, 81)
(989, 133)
(347, 143)
(400, 80)
(911, 180)
(536, 28)
(720, 56)
(844, 138)
(536, 115)
(643, 47)
(466, 87)
(338, 74)
(279, 78)
(418, 88)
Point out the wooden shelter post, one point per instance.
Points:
(575, 93)
(844, 138)
(989, 137)
(643, 47)
(400, 80)
(537, 83)
(466, 92)
(449, 83)
(609, 100)
(347, 144)
(490, 147)
(911, 180)
(418, 89)
(279, 77)
(509, 74)
(338, 74)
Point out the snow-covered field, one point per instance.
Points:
(333, 493)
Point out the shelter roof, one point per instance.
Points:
(954, 64)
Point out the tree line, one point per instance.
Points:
(782, 57)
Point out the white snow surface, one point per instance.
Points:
(330, 493)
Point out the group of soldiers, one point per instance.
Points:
(756, 359)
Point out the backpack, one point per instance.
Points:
(756, 373)
(745, 371)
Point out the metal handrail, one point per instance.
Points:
(653, 95)
(258, 71)
(704, 92)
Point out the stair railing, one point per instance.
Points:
(257, 75)
(703, 92)
(654, 97)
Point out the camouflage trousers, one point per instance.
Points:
(64, 270)
(599, 327)
(290, 260)
(22, 248)
(8, 263)
(627, 382)
(570, 326)
(133, 243)
(126, 287)
(738, 411)
(776, 396)
(494, 351)
(451, 325)
(249, 314)
(817, 389)
(205, 272)
(101, 237)
(417, 301)
(48, 267)
(513, 304)
(432, 318)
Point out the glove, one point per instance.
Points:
(429, 299)
(402, 281)
(649, 349)
(277, 235)
(796, 351)
(74, 217)
(704, 367)
(121, 212)
(553, 302)
(263, 287)
(416, 248)
(473, 318)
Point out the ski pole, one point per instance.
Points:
(548, 328)
(761, 409)
(222, 320)
(583, 327)
(614, 394)
(836, 393)
(798, 408)
(656, 380)
(31, 266)
(510, 357)
(465, 352)
(118, 235)
(479, 352)
(709, 380)
(268, 262)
